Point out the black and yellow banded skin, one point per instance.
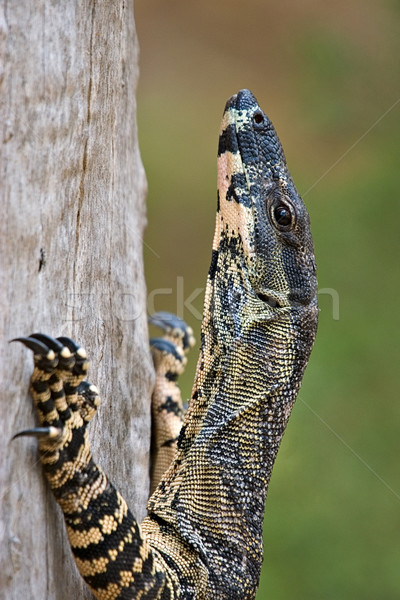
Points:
(202, 538)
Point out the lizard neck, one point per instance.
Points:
(250, 366)
(248, 375)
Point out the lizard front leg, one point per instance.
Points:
(111, 553)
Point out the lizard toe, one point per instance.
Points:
(164, 346)
(88, 400)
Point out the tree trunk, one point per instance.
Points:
(72, 199)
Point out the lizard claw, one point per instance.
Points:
(89, 400)
(88, 391)
(173, 326)
(39, 432)
(169, 351)
(36, 346)
(166, 347)
(47, 340)
(72, 346)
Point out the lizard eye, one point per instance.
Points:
(282, 215)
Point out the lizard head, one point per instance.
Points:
(261, 217)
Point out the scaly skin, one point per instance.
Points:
(202, 538)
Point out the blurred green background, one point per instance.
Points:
(327, 74)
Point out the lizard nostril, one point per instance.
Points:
(258, 117)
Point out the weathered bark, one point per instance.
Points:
(72, 216)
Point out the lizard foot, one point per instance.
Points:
(176, 330)
(65, 403)
(169, 351)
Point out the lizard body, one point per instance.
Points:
(202, 537)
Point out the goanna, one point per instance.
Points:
(202, 538)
